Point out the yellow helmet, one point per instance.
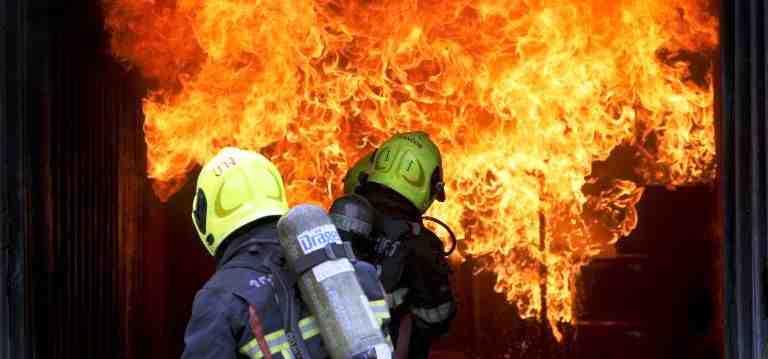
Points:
(352, 178)
(411, 165)
(235, 188)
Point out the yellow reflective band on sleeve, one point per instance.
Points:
(382, 317)
(308, 327)
(252, 350)
(380, 309)
(275, 335)
(396, 298)
(276, 341)
(245, 349)
(381, 303)
(282, 347)
(434, 315)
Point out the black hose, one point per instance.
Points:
(450, 232)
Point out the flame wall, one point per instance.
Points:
(522, 96)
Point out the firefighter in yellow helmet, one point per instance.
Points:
(251, 308)
(400, 181)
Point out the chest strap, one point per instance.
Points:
(330, 252)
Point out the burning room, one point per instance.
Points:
(603, 162)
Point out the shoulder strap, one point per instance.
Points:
(330, 252)
(285, 281)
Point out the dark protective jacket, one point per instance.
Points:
(252, 293)
(413, 269)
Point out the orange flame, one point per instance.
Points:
(522, 96)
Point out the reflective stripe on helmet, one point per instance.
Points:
(436, 314)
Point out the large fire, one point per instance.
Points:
(522, 96)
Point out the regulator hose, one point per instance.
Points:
(450, 232)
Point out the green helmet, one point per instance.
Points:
(235, 188)
(352, 179)
(411, 165)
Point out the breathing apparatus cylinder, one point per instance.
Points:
(329, 286)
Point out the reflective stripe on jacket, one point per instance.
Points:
(278, 343)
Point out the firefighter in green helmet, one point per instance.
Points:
(400, 180)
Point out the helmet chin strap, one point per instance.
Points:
(438, 185)
(439, 189)
(362, 178)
